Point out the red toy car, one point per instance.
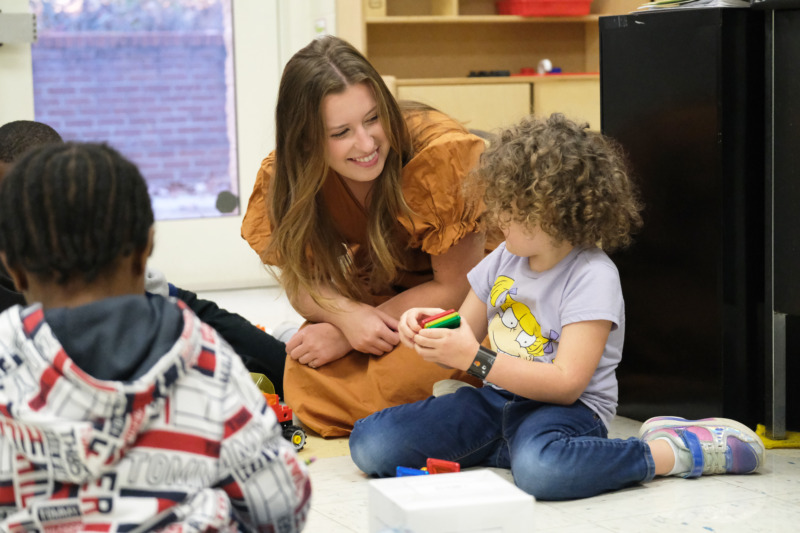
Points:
(294, 434)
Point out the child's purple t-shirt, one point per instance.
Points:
(526, 311)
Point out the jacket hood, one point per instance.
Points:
(117, 339)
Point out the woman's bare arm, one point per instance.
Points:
(449, 285)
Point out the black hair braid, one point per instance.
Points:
(73, 209)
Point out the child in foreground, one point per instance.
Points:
(120, 411)
(550, 300)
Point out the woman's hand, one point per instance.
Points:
(318, 344)
(366, 328)
(453, 348)
(370, 330)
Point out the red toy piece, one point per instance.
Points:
(436, 317)
(451, 321)
(440, 466)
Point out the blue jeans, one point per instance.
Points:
(555, 452)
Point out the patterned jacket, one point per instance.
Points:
(189, 445)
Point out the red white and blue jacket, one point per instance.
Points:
(132, 415)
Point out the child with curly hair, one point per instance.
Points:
(550, 301)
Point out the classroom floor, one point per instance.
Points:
(765, 502)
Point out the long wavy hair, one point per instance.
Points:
(308, 246)
(558, 175)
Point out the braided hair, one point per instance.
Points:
(72, 209)
(20, 135)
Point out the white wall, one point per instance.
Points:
(303, 21)
(16, 73)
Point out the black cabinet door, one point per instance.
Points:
(683, 92)
(783, 207)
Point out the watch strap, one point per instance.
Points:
(482, 363)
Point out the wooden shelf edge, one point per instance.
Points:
(497, 79)
(478, 19)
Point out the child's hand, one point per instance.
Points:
(453, 348)
(408, 326)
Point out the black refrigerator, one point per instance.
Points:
(682, 91)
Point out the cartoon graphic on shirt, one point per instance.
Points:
(514, 330)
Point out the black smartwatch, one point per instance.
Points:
(482, 363)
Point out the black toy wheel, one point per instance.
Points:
(296, 436)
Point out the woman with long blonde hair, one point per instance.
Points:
(361, 209)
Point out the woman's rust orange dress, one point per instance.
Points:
(331, 398)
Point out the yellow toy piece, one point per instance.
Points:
(263, 382)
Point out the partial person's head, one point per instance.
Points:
(334, 108)
(74, 213)
(558, 177)
(19, 136)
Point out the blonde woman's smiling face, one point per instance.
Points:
(356, 146)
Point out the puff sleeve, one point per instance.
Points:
(256, 228)
(433, 189)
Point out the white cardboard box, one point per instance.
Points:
(476, 501)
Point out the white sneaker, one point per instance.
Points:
(285, 331)
(716, 445)
(448, 386)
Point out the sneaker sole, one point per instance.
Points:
(663, 422)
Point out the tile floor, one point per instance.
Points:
(764, 502)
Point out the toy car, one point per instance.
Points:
(294, 434)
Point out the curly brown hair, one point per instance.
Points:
(562, 177)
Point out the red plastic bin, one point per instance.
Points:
(544, 8)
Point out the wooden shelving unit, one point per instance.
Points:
(431, 46)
